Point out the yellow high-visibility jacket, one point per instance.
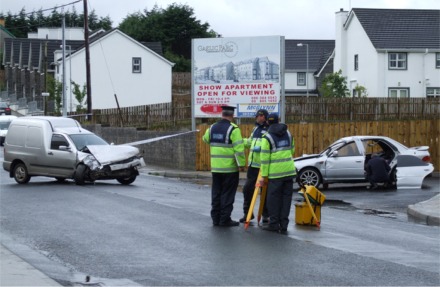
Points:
(277, 150)
(227, 148)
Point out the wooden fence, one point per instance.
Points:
(177, 114)
(314, 137)
(360, 109)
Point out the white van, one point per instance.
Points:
(5, 121)
(60, 148)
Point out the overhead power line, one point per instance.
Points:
(43, 10)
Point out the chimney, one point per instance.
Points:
(339, 61)
(2, 21)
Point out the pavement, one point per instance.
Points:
(14, 271)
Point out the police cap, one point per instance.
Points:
(228, 108)
(273, 118)
(262, 112)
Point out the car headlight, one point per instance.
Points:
(91, 162)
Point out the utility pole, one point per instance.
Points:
(45, 77)
(64, 66)
(86, 43)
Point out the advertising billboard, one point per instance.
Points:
(244, 72)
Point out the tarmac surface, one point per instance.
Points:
(16, 272)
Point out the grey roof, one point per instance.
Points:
(154, 46)
(401, 28)
(37, 48)
(53, 45)
(296, 57)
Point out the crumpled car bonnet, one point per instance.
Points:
(107, 154)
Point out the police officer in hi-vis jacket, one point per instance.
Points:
(227, 159)
(254, 145)
(277, 150)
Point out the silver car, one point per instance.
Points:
(344, 160)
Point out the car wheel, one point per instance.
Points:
(21, 174)
(80, 174)
(393, 177)
(127, 180)
(309, 176)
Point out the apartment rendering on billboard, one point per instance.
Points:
(240, 72)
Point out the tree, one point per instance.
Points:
(360, 91)
(23, 23)
(334, 85)
(55, 89)
(174, 27)
(80, 95)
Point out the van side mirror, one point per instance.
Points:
(63, 147)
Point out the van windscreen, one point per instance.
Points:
(83, 140)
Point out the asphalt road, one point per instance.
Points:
(158, 232)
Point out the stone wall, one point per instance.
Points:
(176, 152)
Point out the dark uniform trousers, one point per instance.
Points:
(224, 188)
(249, 188)
(279, 201)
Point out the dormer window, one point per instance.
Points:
(397, 61)
(301, 79)
(137, 65)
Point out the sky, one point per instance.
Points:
(293, 19)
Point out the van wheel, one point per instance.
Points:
(21, 174)
(127, 180)
(80, 174)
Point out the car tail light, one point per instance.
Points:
(426, 158)
(8, 109)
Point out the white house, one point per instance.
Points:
(306, 64)
(390, 52)
(123, 71)
(135, 72)
(71, 33)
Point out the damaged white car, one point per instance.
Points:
(344, 160)
(61, 148)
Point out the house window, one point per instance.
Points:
(433, 92)
(301, 79)
(397, 61)
(137, 65)
(356, 62)
(398, 92)
(437, 60)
